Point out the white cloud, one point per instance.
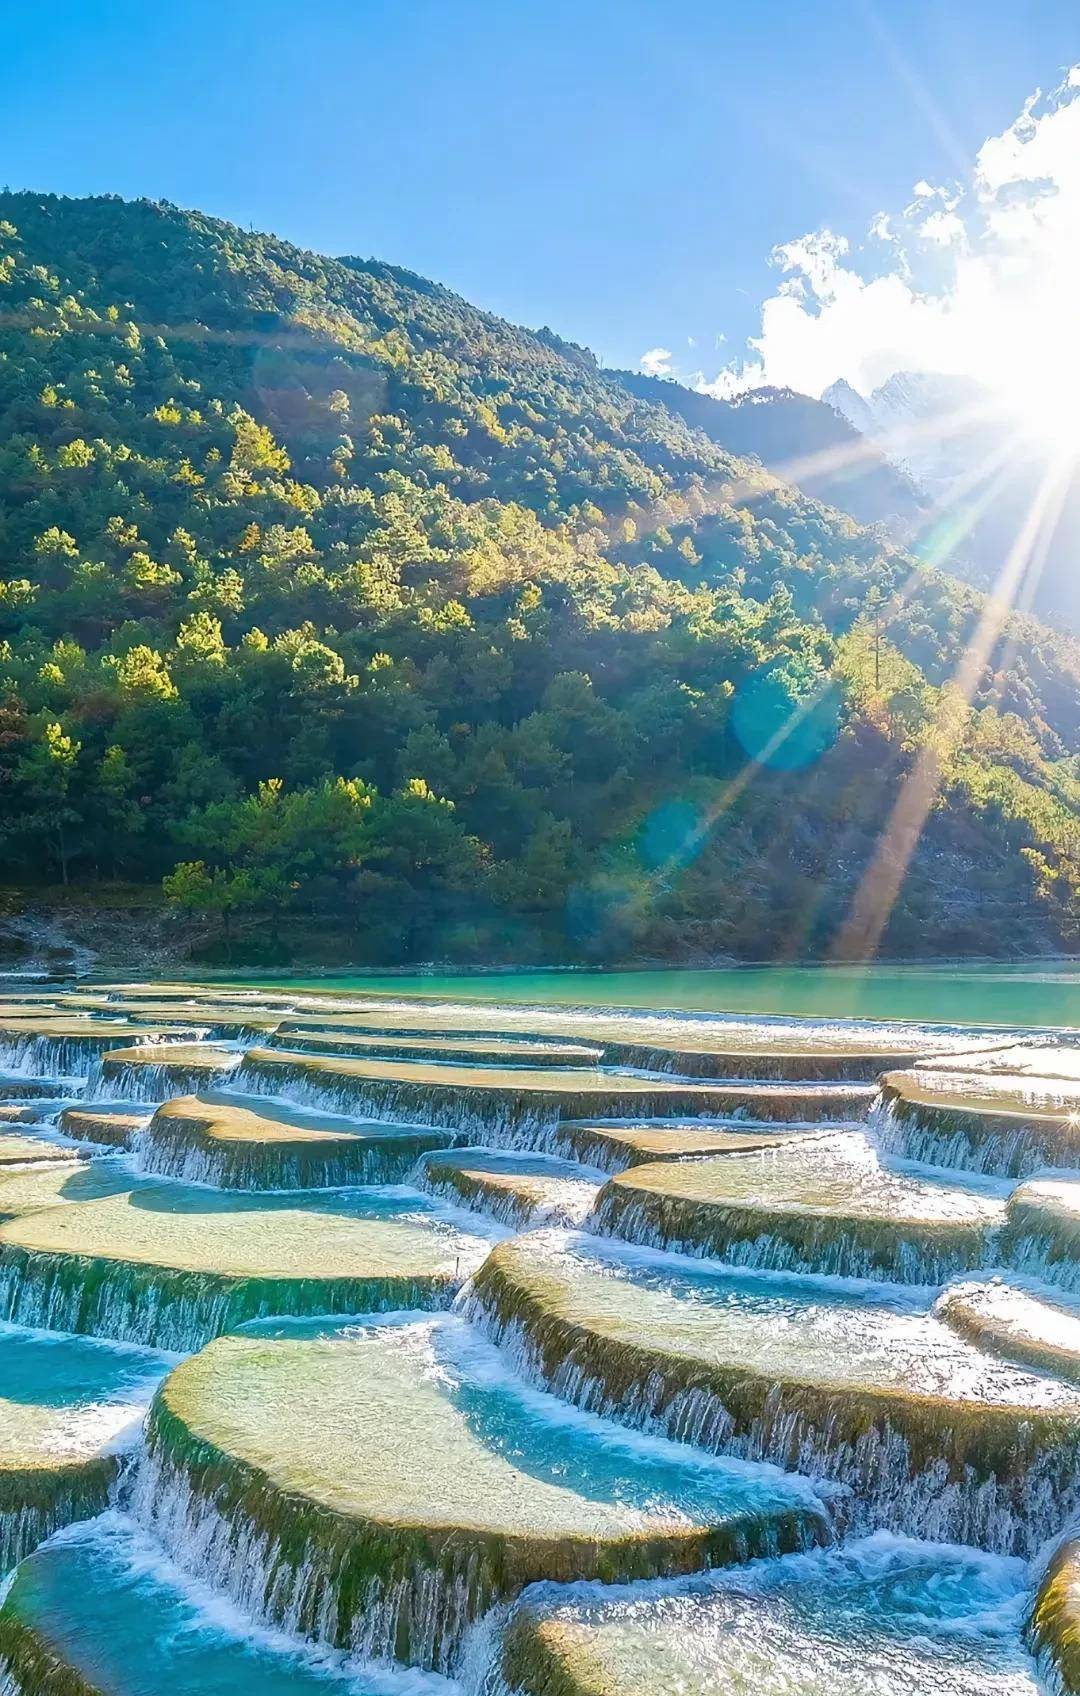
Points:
(943, 228)
(978, 280)
(656, 362)
(730, 382)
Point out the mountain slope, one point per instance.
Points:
(404, 632)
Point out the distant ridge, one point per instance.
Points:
(802, 440)
(971, 462)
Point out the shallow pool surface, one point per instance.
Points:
(110, 1606)
(1025, 993)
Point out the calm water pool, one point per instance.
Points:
(1045, 992)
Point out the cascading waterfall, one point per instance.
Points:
(513, 1211)
(78, 1056)
(180, 1311)
(526, 1125)
(747, 1065)
(42, 1056)
(248, 1170)
(417, 1598)
(179, 1148)
(554, 1200)
(1039, 1257)
(888, 1481)
(1005, 1151)
(56, 1496)
(148, 1082)
(811, 1246)
(508, 1115)
(313, 1586)
(881, 1614)
(1027, 1132)
(105, 1130)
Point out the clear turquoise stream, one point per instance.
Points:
(107, 1600)
(1035, 993)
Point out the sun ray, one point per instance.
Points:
(860, 936)
(736, 786)
(916, 88)
(892, 444)
(742, 780)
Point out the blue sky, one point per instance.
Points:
(620, 171)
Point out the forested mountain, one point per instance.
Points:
(411, 633)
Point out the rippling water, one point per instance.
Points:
(129, 1621)
(885, 1617)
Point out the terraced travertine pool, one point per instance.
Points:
(422, 1348)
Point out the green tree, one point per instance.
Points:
(192, 887)
(46, 772)
(121, 818)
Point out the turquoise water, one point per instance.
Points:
(64, 1397)
(844, 1331)
(1036, 993)
(42, 1370)
(110, 1605)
